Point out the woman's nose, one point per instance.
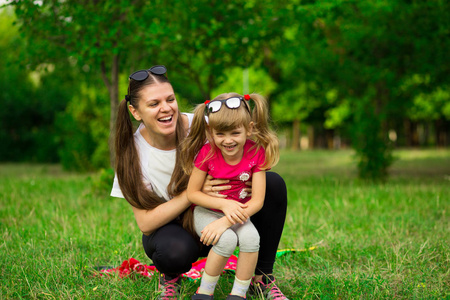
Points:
(165, 106)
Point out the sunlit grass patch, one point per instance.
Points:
(372, 241)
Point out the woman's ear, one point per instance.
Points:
(134, 112)
(250, 129)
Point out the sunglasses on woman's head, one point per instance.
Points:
(232, 103)
(141, 75)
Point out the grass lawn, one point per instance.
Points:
(372, 241)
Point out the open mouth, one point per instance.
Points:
(230, 147)
(165, 119)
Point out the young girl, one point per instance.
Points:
(240, 147)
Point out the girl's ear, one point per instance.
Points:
(134, 112)
(250, 129)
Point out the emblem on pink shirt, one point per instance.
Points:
(244, 176)
(243, 194)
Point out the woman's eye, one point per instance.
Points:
(171, 100)
(153, 104)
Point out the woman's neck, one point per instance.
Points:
(159, 141)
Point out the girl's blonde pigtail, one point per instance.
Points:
(195, 140)
(262, 134)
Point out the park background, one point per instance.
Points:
(359, 94)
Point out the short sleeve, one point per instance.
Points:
(200, 162)
(260, 160)
(116, 191)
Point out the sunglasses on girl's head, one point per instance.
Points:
(143, 74)
(233, 102)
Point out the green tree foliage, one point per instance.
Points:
(30, 100)
(197, 41)
(95, 34)
(365, 51)
(202, 40)
(84, 129)
(246, 81)
(354, 66)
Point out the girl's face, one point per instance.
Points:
(158, 110)
(231, 143)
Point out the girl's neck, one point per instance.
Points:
(235, 159)
(159, 141)
(232, 161)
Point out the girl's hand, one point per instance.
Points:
(212, 232)
(234, 211)
(212, 186)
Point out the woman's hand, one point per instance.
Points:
(234, 211)
(248, 189)
(212, 232)
(212, 186)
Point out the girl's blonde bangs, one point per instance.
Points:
(228, 119)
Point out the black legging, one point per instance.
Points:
(173, 250)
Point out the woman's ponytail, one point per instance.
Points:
(128, 168)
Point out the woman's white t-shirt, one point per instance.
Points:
(156, 165)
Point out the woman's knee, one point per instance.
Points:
(177, 258)
(275, 183)
(173, 250)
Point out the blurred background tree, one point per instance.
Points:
(372, 75)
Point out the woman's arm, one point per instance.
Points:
(233, 210)
(150, 220)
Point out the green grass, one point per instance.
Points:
(374, 241)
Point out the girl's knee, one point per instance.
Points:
(249, 241)
(226, 244)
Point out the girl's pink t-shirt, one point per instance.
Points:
(239, 174)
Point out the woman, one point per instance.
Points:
(147, 177)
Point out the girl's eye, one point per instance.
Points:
(171, 100)
(153, 104)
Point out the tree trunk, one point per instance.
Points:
(296, 135)
(114, 101)
(113, 89)
(441, 133)
(311, 139)
(411, 136)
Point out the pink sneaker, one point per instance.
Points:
(269, 290)
(170, 288)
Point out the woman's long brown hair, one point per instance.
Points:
(128, 167)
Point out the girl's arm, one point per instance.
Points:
(150, 220)
(258, 193)
(233, 210)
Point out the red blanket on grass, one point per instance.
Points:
(133, 266)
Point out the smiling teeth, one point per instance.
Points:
(165, 119)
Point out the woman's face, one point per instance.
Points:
(158, 109)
